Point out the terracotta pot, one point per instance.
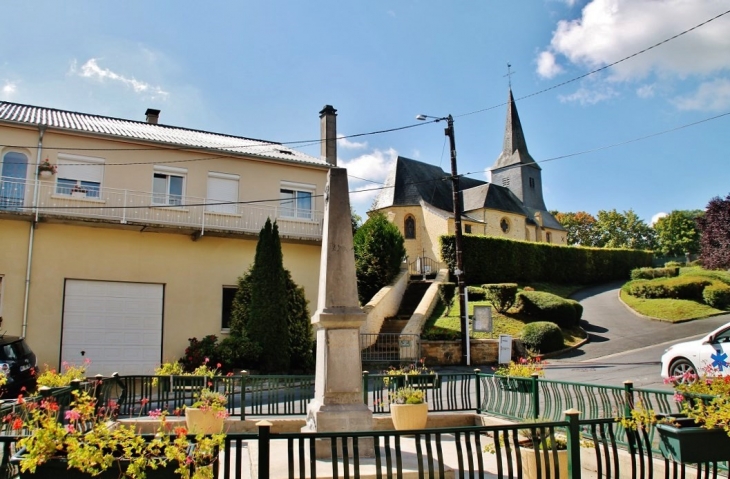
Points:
(200, 421)
(409, 416)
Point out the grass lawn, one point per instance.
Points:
(672, 310)
(442, 326)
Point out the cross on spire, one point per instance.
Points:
(509, 75)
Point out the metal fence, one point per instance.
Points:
(390, 348)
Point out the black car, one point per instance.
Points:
(18, 363)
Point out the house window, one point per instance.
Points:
(168, 185)
(532, 182)
(296, 200)
(222, 188)
(229, 292)
(410, 227)
(467, 229)
(548, 237)
(79, 175)
(504, 225)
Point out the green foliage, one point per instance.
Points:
(673, 264)
(447, 292)
(543, 337)
(581, 227)
(578, 309)
(356, 220)
(547, 307)
(723, 276)
(238, 351)
(267, 321)
(476, 293)
(717, 295)
(682, 287)
(200, 352)
(301, 342)
(677, 233)
(624, 230)
(378, 254)
(501, 295)
(714, 227)
(499, 260)
(652, 273)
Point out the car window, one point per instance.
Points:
(723, 337)
(8, 353)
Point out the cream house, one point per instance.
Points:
(418, 199)
(134, 243)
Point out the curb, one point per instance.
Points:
(652, 318)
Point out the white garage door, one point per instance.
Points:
(117, 325)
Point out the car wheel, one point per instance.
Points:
(682, 369)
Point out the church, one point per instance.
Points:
(418, 200)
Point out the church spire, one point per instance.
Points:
(514, 147)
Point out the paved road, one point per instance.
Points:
(622, 346)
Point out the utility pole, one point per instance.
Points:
(459, 271)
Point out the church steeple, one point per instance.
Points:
(515, 168)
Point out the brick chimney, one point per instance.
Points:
(328, 134)
(152, 115)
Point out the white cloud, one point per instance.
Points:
(350, 145)
(589, 96)
(711, 95)
(8, 90)
(609, 30)
(645, 91)
(546, 66)
(91, 69)
(373, 166)
(657, 217)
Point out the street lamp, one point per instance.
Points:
(459, 271)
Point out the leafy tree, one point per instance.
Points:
(581, 227)
(714, 227)
(624, 230)
(378, 254)
(356, 220)
(267, 312)
(677, 233)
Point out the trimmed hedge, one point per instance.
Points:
(682, 287)
(501, 295)
(476, 293)
(578, 309)
(489, 259)
(652, 273)
(447, 292)
(548, 307)
(717, 295)
(543, 337)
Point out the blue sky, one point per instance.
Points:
(264, 70)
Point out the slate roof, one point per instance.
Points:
(514, 147)
(493, 197)
(140, 130)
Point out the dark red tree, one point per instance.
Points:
(714, 226)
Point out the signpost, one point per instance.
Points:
(505, 349)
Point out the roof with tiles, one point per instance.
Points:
(162, 134)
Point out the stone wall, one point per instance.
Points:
(383, 305)
(445, 353)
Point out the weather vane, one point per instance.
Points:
(509, 75)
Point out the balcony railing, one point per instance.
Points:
(134, 207)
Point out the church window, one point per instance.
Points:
(548, 237)
(505, 182)
(504, 224)
(410, 227)
(532, 182)
(467, 229)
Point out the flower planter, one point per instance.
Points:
(423, 381)
(78, 194)
(516, 385)
(203, 421)
(529, 463)
(57, 468)
(45, 173)
(688, 443)
(394, 381)
(409, 416)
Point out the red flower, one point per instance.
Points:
(180, 431)
(144, 401)
(17, 424)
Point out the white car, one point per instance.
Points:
(708, 355)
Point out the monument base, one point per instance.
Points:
(340, 418)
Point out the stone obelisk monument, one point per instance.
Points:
(338, 401)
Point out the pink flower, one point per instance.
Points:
(207, 360)
(70, 428)
(156, 413)
(72, 415)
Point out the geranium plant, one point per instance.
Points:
(407, 395)
(705, 398)
(47, 166)
(88, 440)
(208, 400)
(176, 368)
(524, 367)
(52, 378)
(414, 369)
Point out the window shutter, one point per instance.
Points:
(80, 169)
(222, 187)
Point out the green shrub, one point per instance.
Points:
(379, 252)
(543, 337)
(682, 287)
(578, 309)
(673, 264)
(717, 295)
(501, 295)
(476, 293)
(547, 307)
(446, 294)
(652, 273)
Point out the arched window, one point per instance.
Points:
(410, 227)
(504, 225)
(12, 180)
